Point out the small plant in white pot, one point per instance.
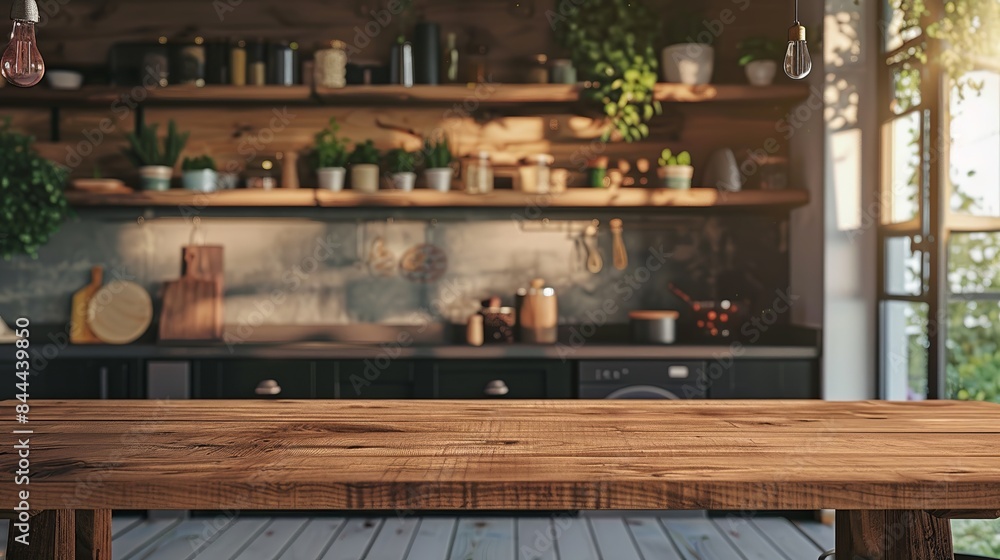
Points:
(401, 164)
(156, 166)
(330, 158)
(759, 58)
(199, 174)
(364, 168)
(676, 170)
(437, 163)
(689, 59)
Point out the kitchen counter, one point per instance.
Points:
(439, 342)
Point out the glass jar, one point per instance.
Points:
(536, 175)
(479, 177)
(331, 66)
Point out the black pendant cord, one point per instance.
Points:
(796, 4)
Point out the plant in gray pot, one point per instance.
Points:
(199, 174)
(759, 58)
(330, 158)
(689, 58)
(156, 165)
(401, 164)
(437, 164)
(364, 168)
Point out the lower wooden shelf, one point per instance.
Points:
(422, 198)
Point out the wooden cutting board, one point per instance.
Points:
(192, 306)
(120, 312)
(79, 330)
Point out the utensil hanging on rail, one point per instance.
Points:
(620, 254)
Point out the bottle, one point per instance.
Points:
(190, 62)
(426, 53)
(331, 66)
(450, 64)
(238, 64)
(401, 64)
(480, 175)
(282, 63)
(257, 63)
(217, 62)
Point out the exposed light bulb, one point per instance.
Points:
(798, 63)
(22, 64)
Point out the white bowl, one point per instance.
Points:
(64, 79)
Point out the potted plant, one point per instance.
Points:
(199, 174)
(759, 58)
(330, 158)
(437, 164)
(689, 58)
(156, 166)
(676, 170)
(32, 204)
(364, 167)
(401, 164)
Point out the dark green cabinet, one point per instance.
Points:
(508, 379)
(367, 379)
(764, 379)
(75, 379)
(254, 379)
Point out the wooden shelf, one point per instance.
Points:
(421, 198)
(482, 94)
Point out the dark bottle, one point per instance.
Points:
(217, 64)
(283, 64)
(256, 63)
(426, 53)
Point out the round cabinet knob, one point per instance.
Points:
(496, 388)
(268, 387)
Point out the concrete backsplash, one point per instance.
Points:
(316, 271)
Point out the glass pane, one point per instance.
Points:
(905, 88)
(902, 135)
(897, 30)
(977, 536)
(974, 263)
(903, 273)
(975, 147)
(974, 350)
(904, 350)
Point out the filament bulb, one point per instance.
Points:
(798, 63)
(22, 64)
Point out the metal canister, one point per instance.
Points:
(283, 64)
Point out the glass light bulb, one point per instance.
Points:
(798, 63)
(22, 64)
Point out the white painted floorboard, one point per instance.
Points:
(560, 537)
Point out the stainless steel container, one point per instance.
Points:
(653, 327)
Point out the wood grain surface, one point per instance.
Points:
(512, 455)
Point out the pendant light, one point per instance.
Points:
(22, 64)
(797, 60)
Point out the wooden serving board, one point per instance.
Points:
(192, 310)
(79, 331)
(203, 262)
(120, 312)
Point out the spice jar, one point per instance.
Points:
(331, 66)
(479, 175)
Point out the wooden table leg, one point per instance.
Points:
(892, 535)
(52, 537)
(93, 534)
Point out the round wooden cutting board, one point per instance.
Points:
(120, 312)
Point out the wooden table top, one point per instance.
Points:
(411, 455)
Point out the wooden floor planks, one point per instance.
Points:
(560, 537)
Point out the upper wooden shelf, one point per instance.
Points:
(422, 198)
(482, 94)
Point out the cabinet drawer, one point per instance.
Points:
(369, 379)
(257, 379)
(766, 379)
(73, 379)
(511, 380)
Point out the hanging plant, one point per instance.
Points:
(613, 46)
(968, 30)
(32, 204)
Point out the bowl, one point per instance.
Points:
(64, 79)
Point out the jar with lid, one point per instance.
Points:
(479, 175)
(535, 174)
(331, 65)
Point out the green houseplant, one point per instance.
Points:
(401, 164)
(759, 58)
(689, 57)
(156, 165)
(32, 204)
(330, 157)
(199, 174)
(676, 170)
(364, 167)
(437, 164)
(613, 46)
